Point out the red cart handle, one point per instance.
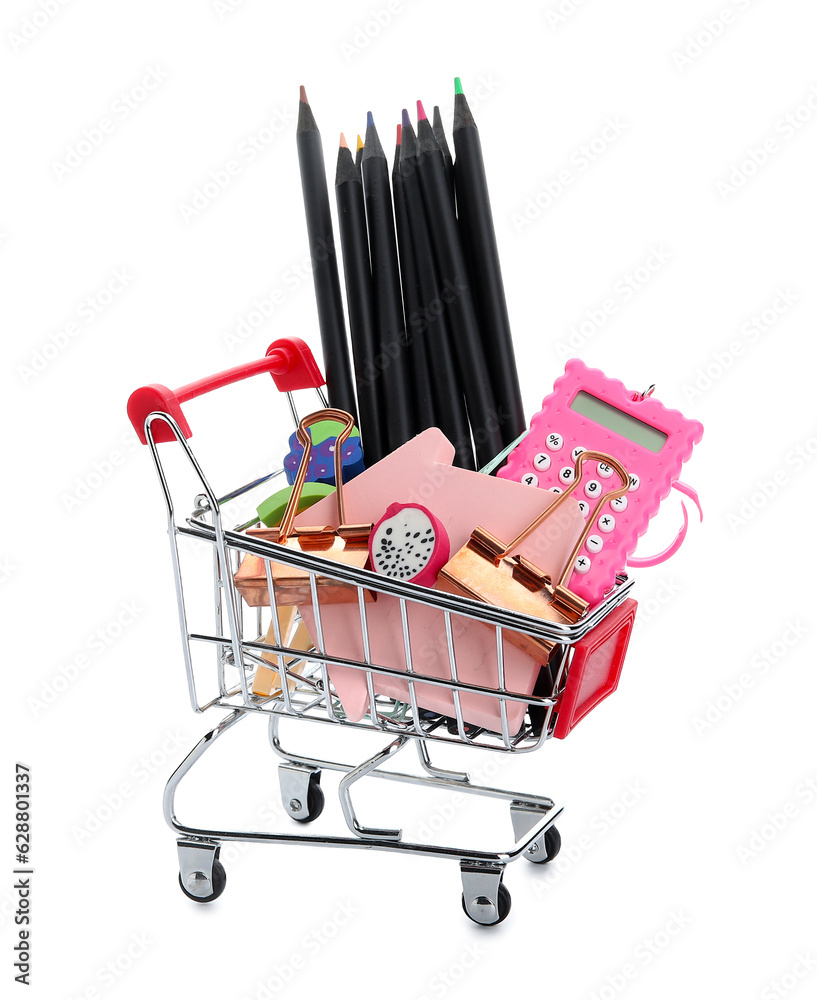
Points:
(288, 360)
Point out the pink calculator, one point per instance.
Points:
(589, 412)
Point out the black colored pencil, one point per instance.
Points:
(479, 242)
(424, 409)
(338, 368)
(442, 142)
(392, 360)
(483, 413)
(430, 323)
(354, 242)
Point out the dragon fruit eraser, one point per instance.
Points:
(409, 543)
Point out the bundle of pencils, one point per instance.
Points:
(430, 335)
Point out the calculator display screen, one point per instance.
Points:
(616, 420)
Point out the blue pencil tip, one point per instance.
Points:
(369, 120)
(406, 119)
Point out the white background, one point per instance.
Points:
(670, 786)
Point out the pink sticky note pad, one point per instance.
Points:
(421, 472)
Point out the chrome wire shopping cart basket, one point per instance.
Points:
(239, 644)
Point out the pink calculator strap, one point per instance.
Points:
(642, 562)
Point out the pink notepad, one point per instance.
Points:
(421, 472)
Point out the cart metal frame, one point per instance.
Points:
(236, 638)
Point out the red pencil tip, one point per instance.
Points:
(303, 96)
(343, 141)
(420, 111)
(399, 134)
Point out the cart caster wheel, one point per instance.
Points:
(553, 844)
(198, 880)
(482, 909)
(315, 801)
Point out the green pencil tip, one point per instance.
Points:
(457, 85)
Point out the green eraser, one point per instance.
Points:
(272, 509)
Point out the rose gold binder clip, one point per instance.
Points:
(347, 544)
(484, 570)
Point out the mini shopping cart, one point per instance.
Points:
(222, 660)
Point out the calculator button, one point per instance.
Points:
(607, 523)
(567, 474)
(541, 462)
(582, 565)
(584, 507)
(605, 470)
(553, 442)
(530, 479)
(576, 452)
(592, 488)
(555, 489)
(619, 504)
(594, 543)
(635, 482)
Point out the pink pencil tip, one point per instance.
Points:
(343, 141)
(399, 134)
(420, 111)
(303, 96)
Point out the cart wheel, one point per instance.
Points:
(315, 800)
(218, 884)
(503, 905)
(553, 844)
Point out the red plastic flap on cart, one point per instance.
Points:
(297, 368)
(160, 399)
(596, 667)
